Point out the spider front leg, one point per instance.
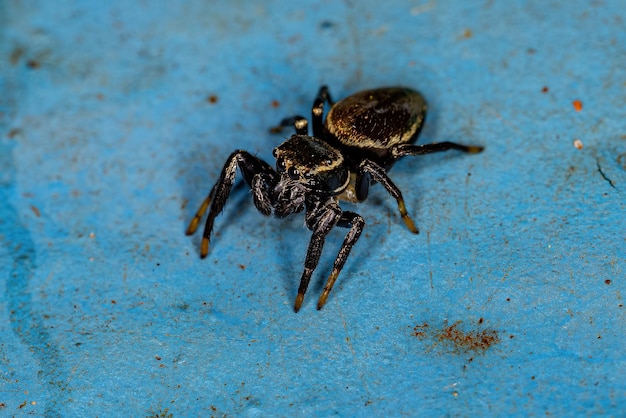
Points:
(369, 169)
(321, 220)
(259, 175)
(356, 224)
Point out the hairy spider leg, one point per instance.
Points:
(320, 219)
(369, 168)
(259, 175)
(317, 112)
(404, 150)
(193, 225)
(356, 224)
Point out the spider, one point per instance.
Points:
(361, 138)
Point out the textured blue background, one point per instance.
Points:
(108, 143)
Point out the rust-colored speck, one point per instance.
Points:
(607, 281)
(420, 330)
(113, 302)
(212, 99)
(545, 89)
(158, 358)
(461, 340)
(35, 211)
(242, 266)
(467, 33)
(481, 320)
(473, 340)
(13, 133)
(33, 65)
(578, 105)
(275, 103)
(162, 413)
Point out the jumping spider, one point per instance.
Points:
(361, 138)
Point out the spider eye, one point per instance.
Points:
(293, 173)
(274, 152)
(280, 165)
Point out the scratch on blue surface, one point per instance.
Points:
(603, 174)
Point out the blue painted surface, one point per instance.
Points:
(108, 143)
